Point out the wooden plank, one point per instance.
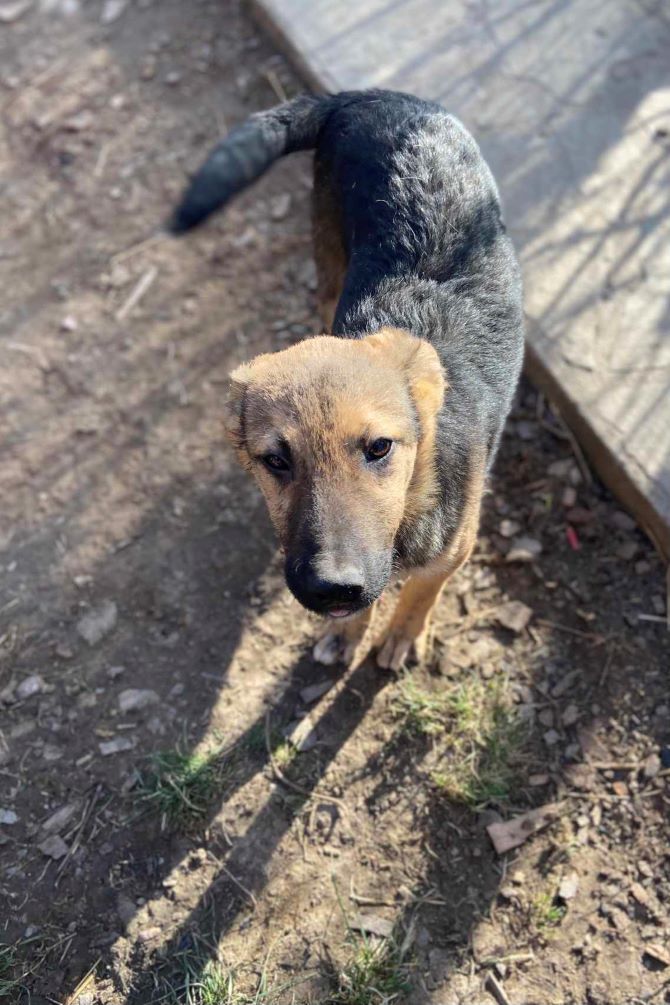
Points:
(570, 101)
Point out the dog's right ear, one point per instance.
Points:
(233, 415)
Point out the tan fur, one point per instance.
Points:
(408, 628)
(329, 253)
(325, 397)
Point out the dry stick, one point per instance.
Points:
(137, 294)
(287, 781)
(566, 434)
(275, 83)
(596, 639)
(121, 256)
(495, 988)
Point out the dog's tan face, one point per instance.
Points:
(338, 433)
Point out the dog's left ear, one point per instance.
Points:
(419, 361)
(234, 406)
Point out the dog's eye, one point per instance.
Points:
(276, 463)
(378, 449)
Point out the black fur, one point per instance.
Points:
(427, 251)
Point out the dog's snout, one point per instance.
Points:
(323, 586)
(342, 586)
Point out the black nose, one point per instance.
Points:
(342, 587)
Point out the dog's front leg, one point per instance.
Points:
(340, 644)
(406, 634)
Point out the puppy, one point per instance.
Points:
(372, 443)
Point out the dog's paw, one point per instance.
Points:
(398, 648)
(395, 652)
(333, 647)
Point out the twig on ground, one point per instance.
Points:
(275, 83)
(139, 291)
(597, 640)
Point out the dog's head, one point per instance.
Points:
(338, 434)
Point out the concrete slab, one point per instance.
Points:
(570, 101)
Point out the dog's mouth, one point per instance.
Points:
(341, 612)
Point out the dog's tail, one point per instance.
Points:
(246, 153)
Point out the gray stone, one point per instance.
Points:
(98, 622)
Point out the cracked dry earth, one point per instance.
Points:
(142, 608)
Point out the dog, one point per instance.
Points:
(372, 442)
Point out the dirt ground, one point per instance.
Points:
(143, 613)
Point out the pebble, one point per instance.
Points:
(10, 12)
(135, 699)
(30, 686)
(112, 10)
(546, 717)
(8, 818)
(515, 615)
(115, 746)
(651, 766)
(560, 469)
(98, 622)
(538, 779)
(524, 549)
(568, 886)
(627, 551)
(173, 78)
(280, 206)
(53, 847)
(642, 567)
(314, 691)
(568, 497)
(509, 528)
(115, 671)
(622, 521)
(148, 934)
(69, 324)
(58, 820)
(372, 924)
(551, 737)
(570, 715)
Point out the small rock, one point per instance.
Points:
(512, 833)
(58, 820)
(509, 528)
(658, 954)
(148, 68)
(98, 622)
(546, 717)
(524, 549)
(638, 893)
(623, 522)
(568, 497)
(115, 671)
(115, 746)
(627, 551)
(135, 699)
(173, 78)
(302, 734)
(570, 715)
(53, 847)
(538, 779)
(651, 766)
(149, 934)
(112, 10)
(568, 886)
(372, 924)
(12, 11)
(642, 567)
(29, 686)
(620, 789)
(526, 430)
(560, 469)
(69, 324)
(313, 692)
(280, 206)
(8, 818)
(514, 615)
(551, 737)
(78, 124)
